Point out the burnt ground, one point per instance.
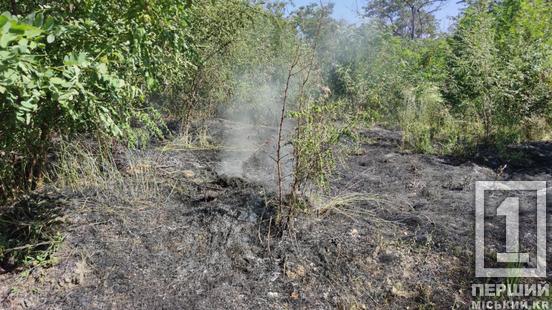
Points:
(172, 233)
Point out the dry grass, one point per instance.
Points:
(81, 171)
(198, 139)
(536, 128)
(350, 204)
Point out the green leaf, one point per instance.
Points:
(23, 45)
(48, 23)
(11, 76)
(7, 38)
(6, 28)
(50, 38)
(33, 32)
(20, 28)
(102, 68)
(29, 18)
(3, 20)
(116, 131)
(20, 117)
(28, 106)
(48, 73)
(23, 42)
(151, 82)
(39, 20)
(66, 97)
(57, 81)
(82, 59)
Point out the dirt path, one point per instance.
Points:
(176, 235)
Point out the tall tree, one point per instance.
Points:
(406, 18)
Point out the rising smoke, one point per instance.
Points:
(250, 135)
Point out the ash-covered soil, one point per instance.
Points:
(173, 233)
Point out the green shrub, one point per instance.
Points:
(321, 125)
(426, 122)
(90, 66)
(43, 96)
(500, 67)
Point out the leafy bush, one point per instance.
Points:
(426, 122)
(321, 125)
(500, 67)
(44, 96)
(89, 67)
(375, 67)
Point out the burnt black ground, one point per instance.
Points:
(199, 240)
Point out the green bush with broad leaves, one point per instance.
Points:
(91, 66)
(43, 97)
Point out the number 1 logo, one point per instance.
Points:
(509, 208)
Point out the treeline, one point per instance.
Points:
(487, 82)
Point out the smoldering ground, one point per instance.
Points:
(200, 240)
(249, 145)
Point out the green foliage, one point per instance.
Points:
(373, 71)
(500, 67)
(145, 42)
(89, 67)
(426, 122)
(473, 69)
(250, 74)
(215, 29)
(321, 126)
(408, 19)
(42, 96)
(116, 69)
(493, 73)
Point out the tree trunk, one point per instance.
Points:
(413, 22)
(14, 7)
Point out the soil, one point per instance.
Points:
(179, 235)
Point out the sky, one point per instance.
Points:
(347, 9)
